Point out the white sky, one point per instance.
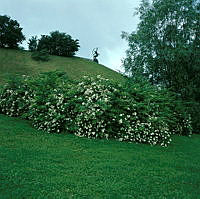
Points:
(96, 23)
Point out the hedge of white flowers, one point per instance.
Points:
(95, 107)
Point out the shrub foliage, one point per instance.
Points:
(96, 108)
(40, 55)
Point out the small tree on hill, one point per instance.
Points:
(10, 33)
(56, 43)
(32, 44)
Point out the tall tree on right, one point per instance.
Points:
(165, 48)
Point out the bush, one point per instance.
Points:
(15, 96)
(40, 55)
(48, 107)
(32, 43)
(194, 110)
(97, 108)
(94, 95)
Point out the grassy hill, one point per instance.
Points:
(20, 62)
(35, 164)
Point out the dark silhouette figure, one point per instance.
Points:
(95, 55)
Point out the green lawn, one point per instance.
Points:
(14, 62)
(34, 164)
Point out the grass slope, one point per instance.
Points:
(34, 164)
(19, 62)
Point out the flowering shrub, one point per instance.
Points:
(15, 97)
(137, 119)
(96, 107)
(135, 114)
(94, 95)
(48, 113)
(182, 120)
(48, 107)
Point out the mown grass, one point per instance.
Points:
(34, 164)
(14, 62)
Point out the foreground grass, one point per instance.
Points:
(34, 164)
(14, 62)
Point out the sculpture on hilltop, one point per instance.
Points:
(95, 55)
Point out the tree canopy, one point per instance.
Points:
(56, 43)
(165, 48)
(166, 45)
(10, 32)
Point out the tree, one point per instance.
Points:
(166, 45)
(57, 43)
(32, 44)
(165, 48)
(10, 33)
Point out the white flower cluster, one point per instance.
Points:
(14, 102)
(95, 98)
(146, 132)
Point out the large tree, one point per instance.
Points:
(10, 33)
(165, 48)
(166, 45)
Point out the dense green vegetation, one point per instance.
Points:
(96, 107)
(11, 33)
(152, 108)
(34, 164)
(20, 62)
(165, 49)
(56, 43)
